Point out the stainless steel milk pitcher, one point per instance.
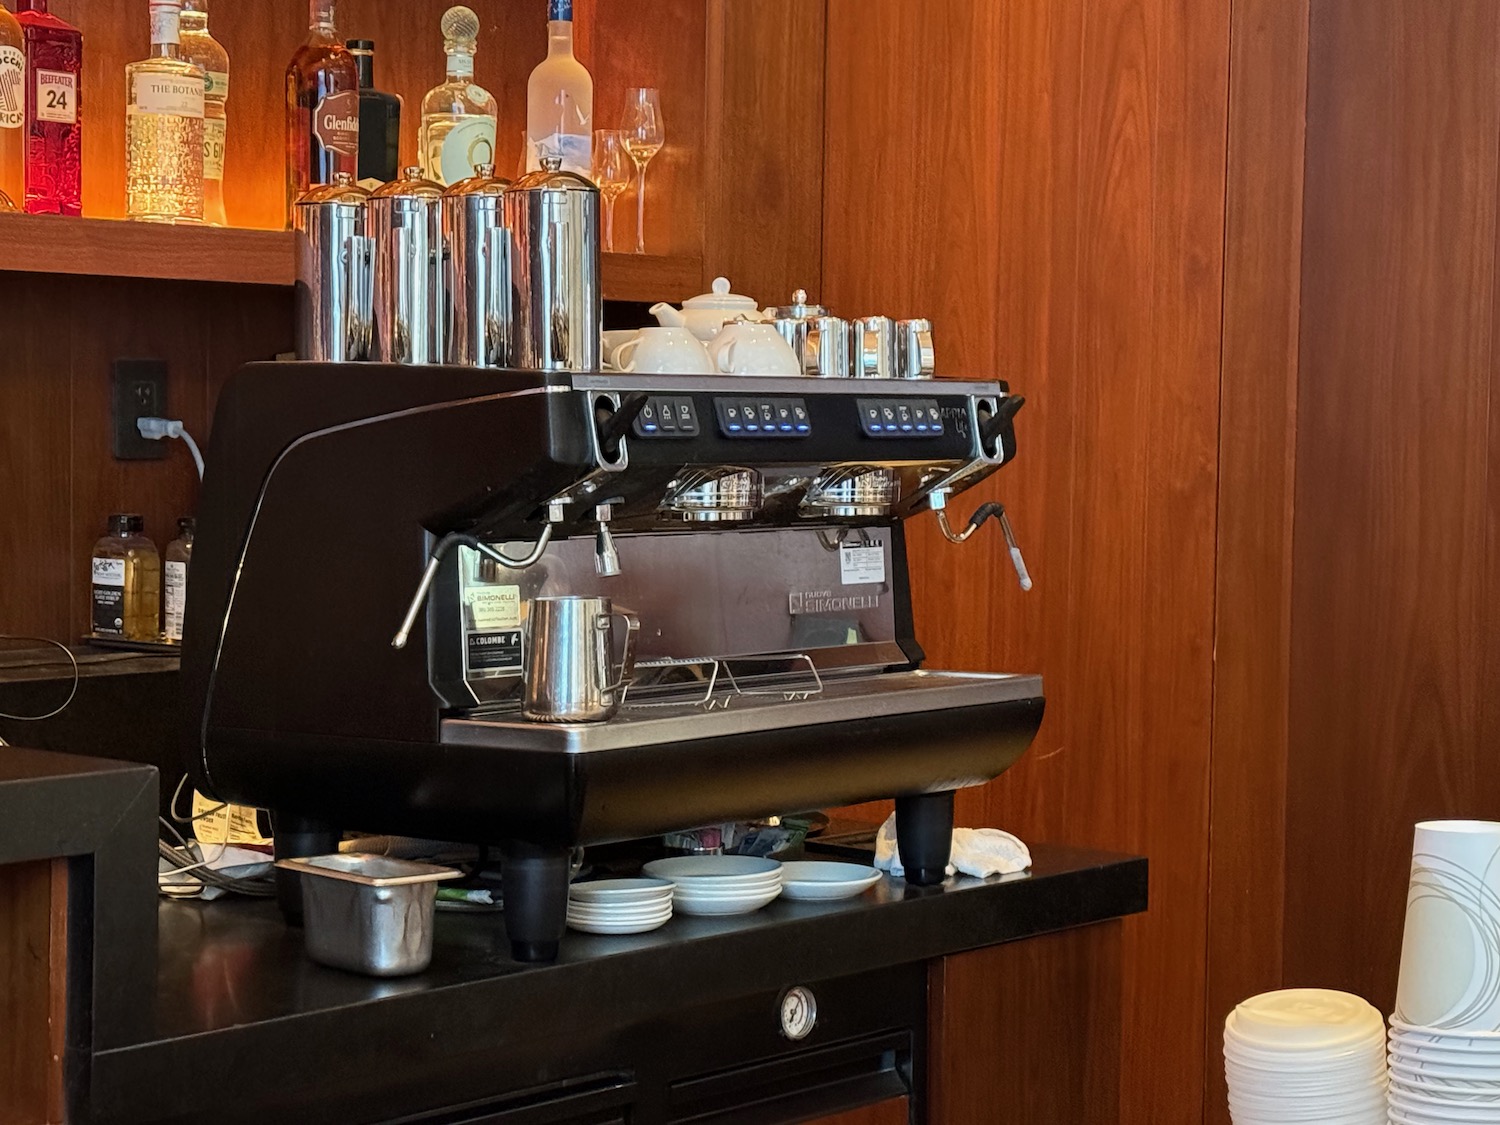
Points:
(335, 290)
(557, 303)
(405, 221)
(568, 673)
(478, 270)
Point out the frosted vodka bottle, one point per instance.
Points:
(560, 99)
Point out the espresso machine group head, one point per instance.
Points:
(372, 540)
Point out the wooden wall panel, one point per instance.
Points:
(1395, 613)
(33, 920)
(1052, 196)
(1257, 410)
(1028, 1033)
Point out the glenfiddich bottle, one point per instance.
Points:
(54, 111)
(322, 108)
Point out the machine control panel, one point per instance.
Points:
(900, 417)
(667, 416)
(763, 417)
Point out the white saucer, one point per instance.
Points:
(822, 880)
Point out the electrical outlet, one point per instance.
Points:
(140, 391)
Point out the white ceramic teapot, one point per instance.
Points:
(744, 347)
(705, 314)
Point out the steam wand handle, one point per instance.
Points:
(982, 514)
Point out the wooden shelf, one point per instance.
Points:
(114, 248)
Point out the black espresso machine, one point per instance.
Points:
(753, 525)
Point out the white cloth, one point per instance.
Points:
(980, 852)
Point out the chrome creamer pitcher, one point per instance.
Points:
(334, 273)
(568, 673)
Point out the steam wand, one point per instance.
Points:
(939, 504)
(463, 539)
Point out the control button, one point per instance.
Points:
(648, 412)
(732, 413)
(767, 414)
(668, 420)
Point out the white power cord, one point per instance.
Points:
(154, 429)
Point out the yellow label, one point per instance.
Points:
(225, 824)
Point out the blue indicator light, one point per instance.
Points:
(803, 427)
(906, 425)
(922, 426)
(752, 426)
(786, 427)
(734, 427)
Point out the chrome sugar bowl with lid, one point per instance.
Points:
(557, 307)
(477, 270)
(405, 222)
(335, 259)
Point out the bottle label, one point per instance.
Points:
(336, 123)
(174, 598)
(12, 88)
(57, 96)
(109, 597)
(460, 65)
(575, 151)
(216, 86)
(469, 144)
(214, 132)
(168, 95)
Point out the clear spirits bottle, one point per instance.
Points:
(560, 99)
(12, 110)
(459, 117)
(205, 52)
(164, 127)
(54, 111)
(322, 108)
(379, 122)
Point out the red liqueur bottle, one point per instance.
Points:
(54, 112)
(322, 108)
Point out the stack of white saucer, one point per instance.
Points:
(719, 884)
(1305, 1055)
(619, 906)
(1445, 1035)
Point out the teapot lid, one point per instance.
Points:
(799, 309)
(482, 182)
(551, 177)
(720, 298)
(342, 190)
(409, 185)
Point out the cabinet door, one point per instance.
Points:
(893, 1112)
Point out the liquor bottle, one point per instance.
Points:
(322, 108)
(125, 586)
(175, 563)
(379, 122)
(164, 127)
(560, 99)
(459, 117)
(12, 110)
(205, 52)
(54, 111)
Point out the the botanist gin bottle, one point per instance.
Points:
(164, 127)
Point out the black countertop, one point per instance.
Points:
(240, 1008)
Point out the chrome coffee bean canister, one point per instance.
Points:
(334, 280)
(557, 307)
(477, 270)
(405, 221)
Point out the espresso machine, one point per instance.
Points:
(365, 638)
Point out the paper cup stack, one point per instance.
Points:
(1305, 1055)
(1445, 1035)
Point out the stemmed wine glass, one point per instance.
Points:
(611, 166)
(644, 135)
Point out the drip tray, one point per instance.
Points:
(839, 700)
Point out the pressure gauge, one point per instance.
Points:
(799, 1013)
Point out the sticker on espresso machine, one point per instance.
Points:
(495, 651)
(862, 566)
(494, 607)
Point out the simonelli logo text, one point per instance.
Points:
(802, 602)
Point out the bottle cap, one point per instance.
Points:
(187, 524)
(126, 523)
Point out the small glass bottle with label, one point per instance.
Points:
(322, 108)
(126, 582)
(459, 117)
(12, 110)
(54, 111)
(175, 562)
(206, 53)
(164, 96)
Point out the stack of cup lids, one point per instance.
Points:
(1445, 1035)
(1305, 1055)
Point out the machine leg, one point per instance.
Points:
(924, 836)
(535, 884)
(294, 837)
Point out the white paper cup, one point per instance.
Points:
(1450, 951)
